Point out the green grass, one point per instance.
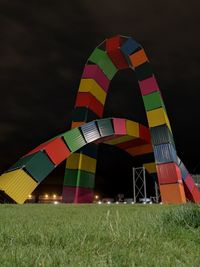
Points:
(99, 235)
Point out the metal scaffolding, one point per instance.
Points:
(140, 189)
(139, 184)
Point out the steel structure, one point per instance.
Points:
(139, 189)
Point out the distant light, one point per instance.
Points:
(161, 203)
(144, 203)
(99, 202)
(108, 202)
(125, 202)
(96, 197)
(30, 196)
(132, 202)
(150, 202)
(55, 202)
(46, 196)
(117, 202)
(54, 195)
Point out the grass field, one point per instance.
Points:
(99, 235)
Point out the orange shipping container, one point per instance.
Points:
(140, 150)
(172, 193)
(138, 58)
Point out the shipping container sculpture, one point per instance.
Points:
(88, 129)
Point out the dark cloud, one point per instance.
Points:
(45, 44)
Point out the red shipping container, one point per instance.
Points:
(94, 72)
(107, 138)
(38, 148)
(77, 194)
(145, 133)
(188, 193)
(168, 173)
(196, 194)
(140, 150)
(148, 86)
(131, 143)
(118, 59)
(189, 182)
(68, 194)
(56, 149)
(114, 52)
(85, 99)
(119, 126)
(84, 195)
(113, 43)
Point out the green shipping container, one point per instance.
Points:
(83, 114)
(101, 58)
(38, 165)
(79, 178)
(105, 127)
(143, 71)
(74, 139)
(153, 101)
(21, 163)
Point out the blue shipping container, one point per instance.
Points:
(165, 153)
(161, 135)
(90, 131)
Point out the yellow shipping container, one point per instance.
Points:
(90, 85)
(132, 128)
(81, 162)
(158, 117)
(150, 167)
(18, 185)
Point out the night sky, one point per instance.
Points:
(43, 48)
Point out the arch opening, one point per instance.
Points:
(124, 99)
(115, 177)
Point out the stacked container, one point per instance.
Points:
(89, 106)
(169, 175)
(191, 190)
(81, 141)
(118, 53)
(164, 150)
(25, 175)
